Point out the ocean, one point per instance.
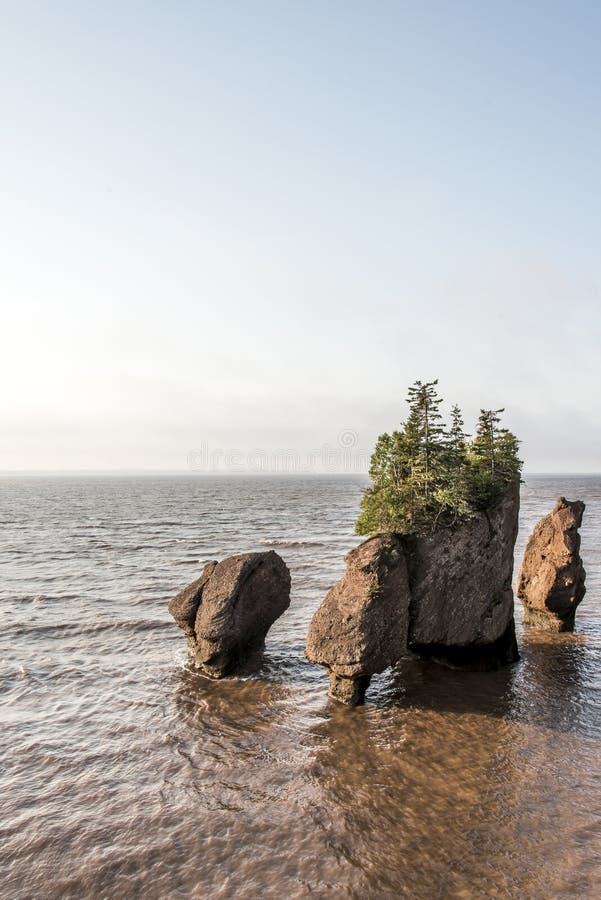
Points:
(124, 775)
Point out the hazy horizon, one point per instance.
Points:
(241, 473)
(247, 228)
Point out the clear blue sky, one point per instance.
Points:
(252, 225)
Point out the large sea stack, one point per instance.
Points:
(551, 579)
(448, 596)
(227, 612)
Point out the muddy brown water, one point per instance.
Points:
(125, 775)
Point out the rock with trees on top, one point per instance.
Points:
(450, 507)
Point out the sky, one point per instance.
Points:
(234, 233)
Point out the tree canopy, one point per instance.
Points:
(429, 475)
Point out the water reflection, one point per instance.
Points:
(435, 788)
(405, 789)
(558, 684)
(228, 705)
(438, 791)
(423, 684)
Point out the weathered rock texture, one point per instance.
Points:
(359, 627)
(447, 596)
(551, 578)
(461, 610)
(227, 612)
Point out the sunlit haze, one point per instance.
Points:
(247, 227)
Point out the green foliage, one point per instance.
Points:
(426, 476)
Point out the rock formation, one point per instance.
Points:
(447, 595)
(461, 610)
(227, 612)
(359, 627)
(551, 579)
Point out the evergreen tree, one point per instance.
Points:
(425, 477)
(508, 464)
(387, 505)
(426, 419)
(493, 460)
(407, 468)
(484, 445)
(457, 435)
(451, 495)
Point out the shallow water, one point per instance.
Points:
(125, 775)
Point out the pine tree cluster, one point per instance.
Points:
(429, 475)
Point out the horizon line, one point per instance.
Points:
(239, 473)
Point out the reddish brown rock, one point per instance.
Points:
(227, 612)
(551, 579)
(184, 605)
(361, 626)
(447, 596)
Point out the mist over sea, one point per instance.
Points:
(123, 774)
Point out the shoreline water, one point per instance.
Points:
(125, 773)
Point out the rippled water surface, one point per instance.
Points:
(125, 775)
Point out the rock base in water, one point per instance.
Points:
(545, 621)
(350, 691)
(227, 612)
(551, 578)
(474, 657)
(446, 596)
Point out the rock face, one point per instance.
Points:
(461, 609)
(447, 596)
(360, 626)
(551, 579)
(227, 612)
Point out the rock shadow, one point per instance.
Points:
(427, 793)
(549, 687)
